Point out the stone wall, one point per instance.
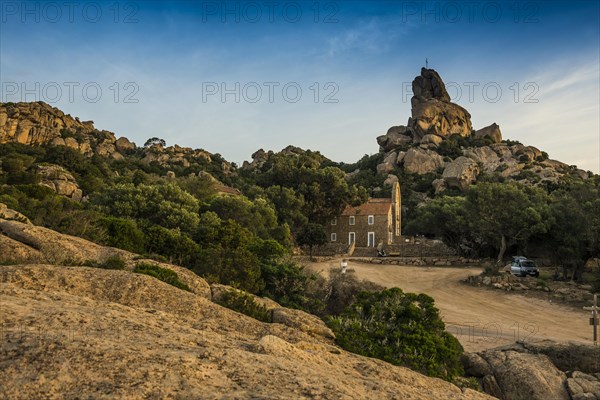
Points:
(419, 261)
(420, 248)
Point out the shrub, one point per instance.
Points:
(400, 328)
(162, 274)
(343, 289)
(114, 262)
(244, 303)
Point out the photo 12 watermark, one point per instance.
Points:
(471, 12)
(253, 12)
(269, 92)
(489, 92)
(492, 332)
(53, 12)
(54, 92)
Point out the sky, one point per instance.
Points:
(232, 77)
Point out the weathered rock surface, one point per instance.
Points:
(12, 215)
(123, 144)
(432, 111)
(79, 332)
(492, 132)
(305, 322)
(36, 123)
(460, 173)
(430, 86)
(59, 180)
(421, 161)
(395, 136)
(537, 371)
(33, 244)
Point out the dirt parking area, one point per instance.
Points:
(478, 317)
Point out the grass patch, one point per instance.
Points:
(244, 303)
(162, 274)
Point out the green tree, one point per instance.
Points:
(507, 213)
(166, 205)
(311, 235)
(402, 329)
(226, 254)
(123, 233)
(154, 140)
(574, 236)
(172, 243)
(445, 217)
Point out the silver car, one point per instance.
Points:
(521, 266)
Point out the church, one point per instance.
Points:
(376, 221)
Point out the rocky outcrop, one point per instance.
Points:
(36, 123)
(491, 132)
(460, 173)
(259, 157)
(124, 145)
(432, 111)
(143, 337)
(40, 124)
(421, 161)
(484, 155)
(59, 180)
(12, 215)
(429, 85)
(538, 371)
(395, 136)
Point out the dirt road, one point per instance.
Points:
(478, 317)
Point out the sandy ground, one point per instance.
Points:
(478, 317)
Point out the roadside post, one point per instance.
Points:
(594, 319)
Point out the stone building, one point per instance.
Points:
(378, 220)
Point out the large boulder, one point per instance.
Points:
(59, 180)
(461, 173)
(388, 164)
(537, 370)
(484, 155)
(395, 136)
(123, 144)
(12, 215)
(430, 86)
(421, 161)
(492, 132)
(432, 111)
(523, 376)
(568, 356)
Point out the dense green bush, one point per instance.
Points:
(114, 262)
(162, 274)
(244, 303)
(400, 328)
(290, 285)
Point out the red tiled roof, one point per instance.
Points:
(372, 207)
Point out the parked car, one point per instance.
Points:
(522, 266)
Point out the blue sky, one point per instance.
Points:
(196, 68)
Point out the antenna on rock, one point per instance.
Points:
(426, 63)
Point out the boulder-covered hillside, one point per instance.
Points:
(440, 140)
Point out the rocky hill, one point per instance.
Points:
(74, 331)
(439, 139)
(38, 123)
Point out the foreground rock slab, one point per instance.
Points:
(77, 332)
